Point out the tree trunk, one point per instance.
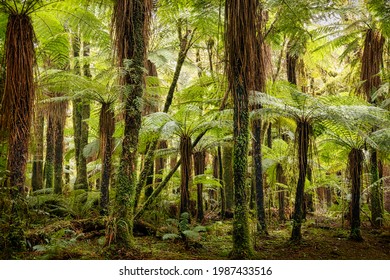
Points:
(37, 168)
(220, 178)
(240, 44)
(372, 60)
(376, 201)
(160, 162)
(59, 126)
(281, 179)
(258, 176)
(81, 114)
(291, 64)
(303, 132)
(227, 177)
(355, 166)
(131, 25)
(107, 128)
(199, 168)
(50, 141)
(185, 44)
(213, 198)
(164, 182)
(185, 173)
(17, 103)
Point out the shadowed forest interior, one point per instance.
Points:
(194, 129)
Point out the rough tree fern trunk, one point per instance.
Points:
(185, 173)
(240, 47)
(303, 132)
(37, 169)
(130, 23)
(107, 128)
(199, 168)
(371, 81)
(18, 98)
(355, 166)
(59, 126)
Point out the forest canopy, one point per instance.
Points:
(181, 125)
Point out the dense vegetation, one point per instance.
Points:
(194, 129)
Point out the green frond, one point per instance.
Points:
(207, 180)
(154, 122)
(165, 153)
(78, 18)
(382, 139)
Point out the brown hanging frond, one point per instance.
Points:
(128, 14)
(17, 103)
(240, 41)
(371, 63)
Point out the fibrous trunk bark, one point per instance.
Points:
(131, 24)
(50, 141)
(240, 17)
(59, 126)
(372, 60)
(18, 98)
(37, 168)
(107, 128)
(303, 132)
(258, 176)
(355, 166)
(199, 168)
(185, 173)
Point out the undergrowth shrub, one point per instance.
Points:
(12, 222)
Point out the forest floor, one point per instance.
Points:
(321, 241)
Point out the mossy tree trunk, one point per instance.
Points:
(81, 112)
(131, 29)
(240, 18)
(227, 177)
(81, 126)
